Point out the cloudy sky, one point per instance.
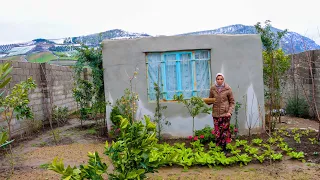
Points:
(24, 20)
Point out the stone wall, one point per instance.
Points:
(49, 78)
(298, 80)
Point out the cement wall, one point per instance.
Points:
(239, 57)
(59, 80)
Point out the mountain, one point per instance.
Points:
(291, 43)
(64, 48)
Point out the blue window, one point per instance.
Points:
(186, 72)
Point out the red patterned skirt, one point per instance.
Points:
(222, 130)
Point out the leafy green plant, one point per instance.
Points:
(195, 106)
(115, 119)
(241, 142)
(272, 140)
(297, 138)
(56, 135)
(251, 150)
(92, 131)
(93, 170)
(306, 132)
(276, 63)
(130, 155)
(257, 141)
(297, 107)
(296, 155)
(205, 135)
(4, 139)
(158, 111)
(313, 140)
(16, 103)
(5, 69)
(83, 93)
(92, 58)
(260, 158)
(294, 130)
(276, 156)
(60, 115)
(236, 112)
(127, 104)
(244, 158)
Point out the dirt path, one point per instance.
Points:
(294, 122)
(32, 155)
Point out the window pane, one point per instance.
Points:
(154, 63)
(186, 76)
(171, 79)
(203, 78)
(202, 54)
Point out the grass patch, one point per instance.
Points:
(44, 166)
(12, 58)
(92, 131)
(41, 57)
(64, 56)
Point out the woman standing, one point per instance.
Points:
(222, 110)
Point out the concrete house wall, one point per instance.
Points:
(238, 57)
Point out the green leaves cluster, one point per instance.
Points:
(158, 111)
(195, 106)
(93, 170)
(275, 64)
(83, 94)
(16, 103)
(130, 155)
(138, 152)
(5, 69)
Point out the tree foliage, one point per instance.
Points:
(275, 62)
(5, 69)
(16, 103)
(92, 58)
(195, 106)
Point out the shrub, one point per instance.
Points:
(60, 115)
(297, 107)
(130, 154)
(205, 135)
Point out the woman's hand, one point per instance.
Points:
(228, 115)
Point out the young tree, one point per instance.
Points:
(276, 64)
(195, 106)
(92, 57)
(17, 103)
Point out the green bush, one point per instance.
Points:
(297, 107)
(205, 135)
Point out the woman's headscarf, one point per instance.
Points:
(219, 74)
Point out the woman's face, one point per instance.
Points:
(220, 80)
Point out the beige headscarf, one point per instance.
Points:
(219, 74)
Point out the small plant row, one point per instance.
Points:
(137, 152)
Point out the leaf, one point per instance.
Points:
(4, 83)
(3, 137)
(124, 123)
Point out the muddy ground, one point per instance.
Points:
(32, 156)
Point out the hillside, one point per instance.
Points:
(291, 43)
(65, 48)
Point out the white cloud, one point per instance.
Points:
(29, 19)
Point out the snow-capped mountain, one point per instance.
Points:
(291, 43)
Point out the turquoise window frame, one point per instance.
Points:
(163, 62)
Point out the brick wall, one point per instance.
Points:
(49, 78)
